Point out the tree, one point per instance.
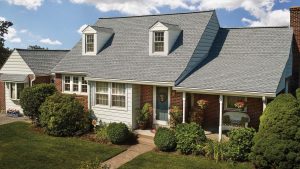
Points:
(4, 52)
(36, 47)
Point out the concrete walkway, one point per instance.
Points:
(144, 145)
(4, 119)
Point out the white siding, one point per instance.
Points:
(112, 114)
(11, 104)
(15, 65)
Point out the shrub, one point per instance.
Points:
(188, 136)
(31, 99)
(175, 116)
(101, 134)
(63, 115)
(240, 143)
(118, 133)
(165, 139)
(215, 150)
(277, 143)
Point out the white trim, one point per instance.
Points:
(264, 100)
(236, 93)
(132, 81)
(160, 122)
(220, 117)
(183, 106)
(79, 92)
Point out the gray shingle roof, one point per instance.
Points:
(13, 77)
(249, 60)
(127, 57)
(42, 61)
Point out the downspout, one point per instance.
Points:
(31, 81)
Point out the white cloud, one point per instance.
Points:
(12, 36)
(2, 18)
(81, 28)
(29, 4)
(23, 31)
(272, 18)
(50, 42)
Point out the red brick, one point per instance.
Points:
(254, 110)
(147, 97)
(176, 99)
(58, 82)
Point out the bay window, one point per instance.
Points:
(15, 90)
(74, 84)
(111, 94)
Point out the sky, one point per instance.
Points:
(57, 24)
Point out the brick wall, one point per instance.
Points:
(254, 110)
(2, 96)
(83, 99)
(176, 98)
(147, 97)
(295, 24)
(42, 79)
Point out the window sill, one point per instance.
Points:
(76, 93)
(234, 110)
(110, 107)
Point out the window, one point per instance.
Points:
(102, 93)
(111, 94)
(15, 90)
(67, 83)
(89, 43)
(118, 94)
(158, 41)
(74, 84)
(231, 100)
(83, 85)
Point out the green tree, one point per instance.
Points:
(36, 47)
(4, 52)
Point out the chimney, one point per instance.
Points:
(295, 25)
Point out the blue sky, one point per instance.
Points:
(55, 23)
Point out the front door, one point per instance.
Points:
(162, 102)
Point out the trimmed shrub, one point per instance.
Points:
(277, 143)
(165, 139)
(188, 136)
(240, 143)
(63, 115)
(118, 133)
(32, 98)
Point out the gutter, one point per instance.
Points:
(131, 81)
(31, 81)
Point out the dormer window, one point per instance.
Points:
(162, 37)
(158, 41)
(89, 43)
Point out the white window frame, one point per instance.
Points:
(226, 108)
(110, 97)
(79, 92)
(16, 89)
(118, 95)
(86, 43)
(163, 42)
(106, 93)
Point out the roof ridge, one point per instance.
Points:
(134, 16)
(42, 49)
(258, 27)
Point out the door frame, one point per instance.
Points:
(161, 122)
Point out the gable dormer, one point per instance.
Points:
(94, 38)
(162, 37)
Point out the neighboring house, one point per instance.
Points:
(176, 59)
(26, 68)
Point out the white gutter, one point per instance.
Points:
(218, 92)
(31, 81)
(131, 81)
(71, 73)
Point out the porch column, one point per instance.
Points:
(183, 106)
(264, 100)
(220, 117)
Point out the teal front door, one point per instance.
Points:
(162, 103)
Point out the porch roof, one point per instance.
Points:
(13, 77)
(250, 60)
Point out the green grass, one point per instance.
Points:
(23, 148)
(158, 160)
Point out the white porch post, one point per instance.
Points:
(220, 117)
(264, 100)
(183, 106)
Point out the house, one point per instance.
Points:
(177, 59)
(25, 68)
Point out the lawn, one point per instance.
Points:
(157, 160)
(23, 148)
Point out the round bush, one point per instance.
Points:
(277, 143)
(62, 115)
(240, 143)
(31, 99)
(165, 139)
(188, 136)
(118, 133)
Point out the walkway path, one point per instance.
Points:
(145, 144)
(4, 119)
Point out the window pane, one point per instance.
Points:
(118, 101)
(102, 99)
(159, 36)
(75, 87)
(67, 87)
(83, 80)
(101, 87)
(89, 43)
(84, 88)
(158, 46)
(118, 88)
(67, 79)
(231, 100)
(13, 90)
(20, 87)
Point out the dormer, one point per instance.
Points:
(162, 37)
(94, 39)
